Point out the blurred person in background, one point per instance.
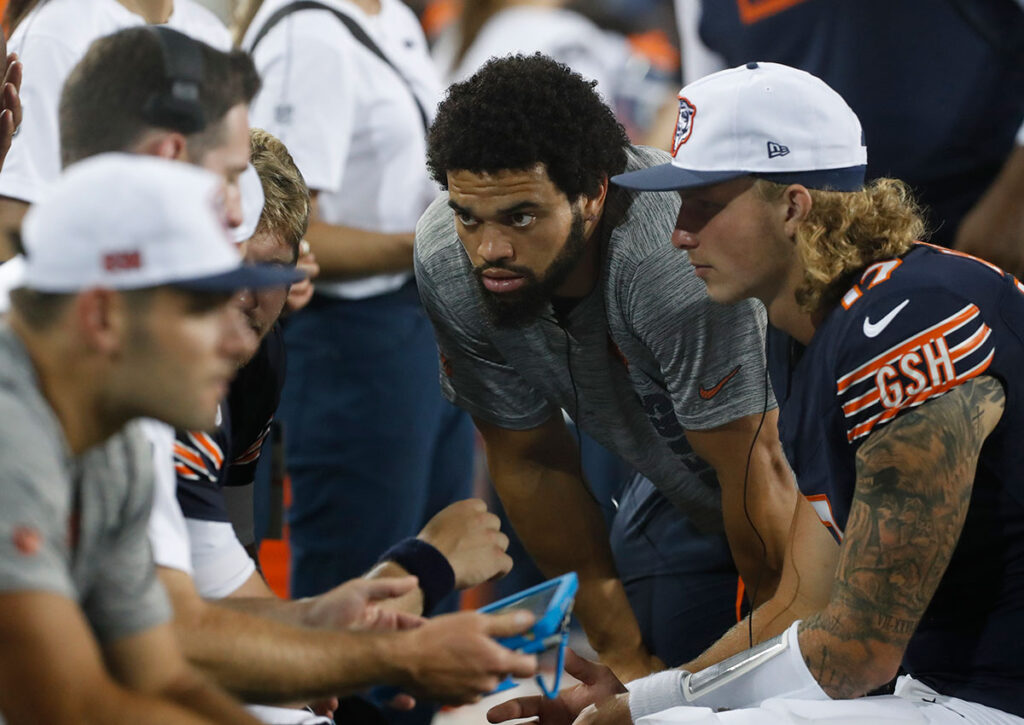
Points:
(633, 71)
(373, 449)
(938, 86)
(50, 37)
(366, 425)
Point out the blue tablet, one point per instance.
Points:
(551, 604)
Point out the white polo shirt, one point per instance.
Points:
(348, 119)
(208, 551)
(50, 41)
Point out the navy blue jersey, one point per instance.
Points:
(910, 330)
(205, 462)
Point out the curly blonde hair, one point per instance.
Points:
(286, 204)
(847, 231)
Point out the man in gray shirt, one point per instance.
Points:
(124, 310)
(551, 291)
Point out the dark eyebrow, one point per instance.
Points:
(508, 211)
(459, 209)
(517, 208)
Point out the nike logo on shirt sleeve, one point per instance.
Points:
(709, 393)
(874, 329)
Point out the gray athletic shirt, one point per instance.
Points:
(110, 572)
(647, 349)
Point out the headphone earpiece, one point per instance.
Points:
(179, 107)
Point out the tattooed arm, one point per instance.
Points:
(914, 481)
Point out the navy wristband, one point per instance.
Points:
(437, 578)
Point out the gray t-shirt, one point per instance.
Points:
(647, 348)
(74, 526)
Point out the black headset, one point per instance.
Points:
(179, 107)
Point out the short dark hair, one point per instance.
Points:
(103, 101)
(518, 111)
(39, 310)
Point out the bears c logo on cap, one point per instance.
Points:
(684, 124)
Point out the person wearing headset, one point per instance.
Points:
(50, 37)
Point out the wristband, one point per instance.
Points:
(775, 668)
(435, 574)
(654, 693)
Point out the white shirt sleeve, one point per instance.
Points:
(308, 98)
(167, 532)
(220, 563)
(34, 159)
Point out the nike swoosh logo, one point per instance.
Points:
(708, 394)
(874, 329)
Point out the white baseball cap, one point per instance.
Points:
(126, 221)
(760, 119)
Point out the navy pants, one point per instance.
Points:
(373, 449)
(681, 583)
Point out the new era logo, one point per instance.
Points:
(776, 149)
(118, 261)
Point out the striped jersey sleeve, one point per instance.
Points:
(198, 457)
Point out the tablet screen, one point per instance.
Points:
(535, 603)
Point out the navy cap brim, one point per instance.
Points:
(667, 177)
(246, 276)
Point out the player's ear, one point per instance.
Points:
(162, 144)
(797, 203)
(101, 318)
(594, 205)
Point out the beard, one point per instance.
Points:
(523, 306)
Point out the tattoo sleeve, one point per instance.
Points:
(914, 481)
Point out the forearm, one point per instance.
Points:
(263, 660)
(108, 702)
(411, 603)
(349, 253)
(256, 598)
(563, 529)
(759, 496)
(291, 612)
(805, 588)
(769, 620)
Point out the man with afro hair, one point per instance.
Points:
(551, 291)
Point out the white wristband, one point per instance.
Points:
(772, 669)
(656, 692)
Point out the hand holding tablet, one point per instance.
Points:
(551, 603)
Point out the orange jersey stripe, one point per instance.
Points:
(185, 472)
(188, 455)
(207, 444)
